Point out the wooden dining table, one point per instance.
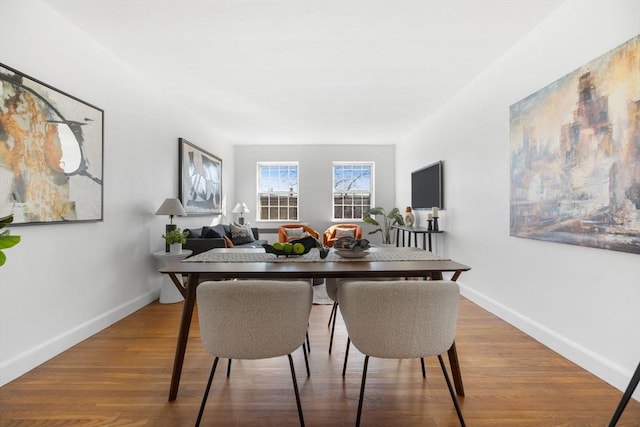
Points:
(225, 264)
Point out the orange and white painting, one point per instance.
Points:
(51, 152)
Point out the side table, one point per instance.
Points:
(169, 294)
(426, 233)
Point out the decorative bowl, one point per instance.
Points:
(352, 253)
(308, 243)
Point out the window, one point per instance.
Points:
(352, 189)
(278, 191)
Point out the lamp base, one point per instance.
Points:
(167, 229)
(241, 221)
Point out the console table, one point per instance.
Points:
(426, 235)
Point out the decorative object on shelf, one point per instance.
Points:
(296, 247)
(388, 220)
(435, 214)
(241, 208)
(430, 223)
(200, 181)
(53, 153)
(170, 207)
(409, 218)
(175, 239)
(6, 240)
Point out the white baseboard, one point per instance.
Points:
(603, 368)
(26, 361)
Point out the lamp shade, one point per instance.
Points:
(240, 208)
(171, 207)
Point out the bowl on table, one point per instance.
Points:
(352, 253)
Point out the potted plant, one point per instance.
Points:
(175, 239)
(388, 220)
(6, 240)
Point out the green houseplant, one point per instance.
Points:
(387, 221)
(175, 236)
(175, 239)
(6, 240)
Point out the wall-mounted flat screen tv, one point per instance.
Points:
(427, 187)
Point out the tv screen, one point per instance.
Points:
(426, 187)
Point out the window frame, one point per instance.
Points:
(278, 194)
(371, 193)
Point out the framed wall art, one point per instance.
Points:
(200, 180)
(51, 153)
(575, 156)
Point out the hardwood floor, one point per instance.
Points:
(120, 377)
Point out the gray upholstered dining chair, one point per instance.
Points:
(253, 319)
(331, 286)
(401, 319)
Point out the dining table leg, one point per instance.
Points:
(183, 334)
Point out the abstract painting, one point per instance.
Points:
(51, 153)
(575, 156)
(200, 180)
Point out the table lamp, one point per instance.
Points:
(171, 207)
(240, 208)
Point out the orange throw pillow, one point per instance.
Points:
(228, 241)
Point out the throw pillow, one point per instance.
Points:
(195, 233)
(219, 228)
(241, 234)
(212, 234)
(345, 232)
(227, 241)
(294, 233)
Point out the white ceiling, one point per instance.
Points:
(309, 72)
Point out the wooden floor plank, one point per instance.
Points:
(120, 377)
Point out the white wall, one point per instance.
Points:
(315, 178)
(582, 302)
(64, 282)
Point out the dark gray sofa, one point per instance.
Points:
(208, 237)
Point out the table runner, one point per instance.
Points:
(314, 256)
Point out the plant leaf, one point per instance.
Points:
(376, 211)
(8, 241)
(370, 220)
(3, 259)
(6, 220)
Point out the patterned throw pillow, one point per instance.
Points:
(294, 233)
(345, 232)
(241, 234)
